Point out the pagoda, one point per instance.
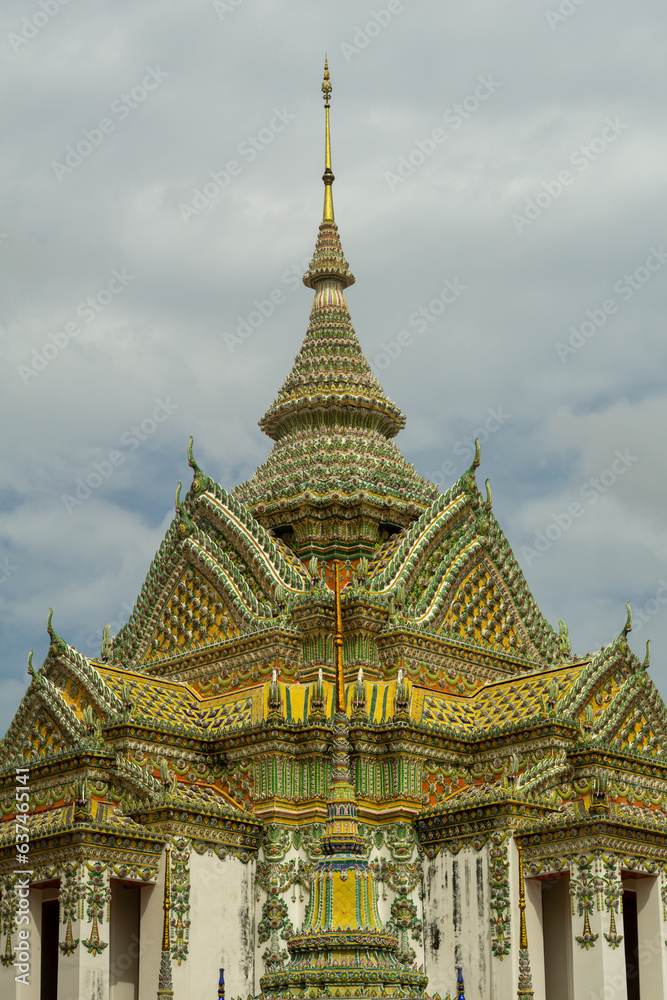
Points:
(336, 750)
(343, 949)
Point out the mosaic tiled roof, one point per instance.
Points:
(331, 420)
(211, 713)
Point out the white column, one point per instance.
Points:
(557, 924)
(535, 934)
(34, 928)
(150, 934)
(211, 928)
(222, 931)
(505, 972)
(457, 929)
(598, 955)
(85, 972)
(8, 926)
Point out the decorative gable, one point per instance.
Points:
(43, 726)
(631, 722)
(482, 613)
(194, 616)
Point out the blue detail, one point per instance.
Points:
(460, 988)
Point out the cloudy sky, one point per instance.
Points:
(500, 195)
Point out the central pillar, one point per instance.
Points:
(83, 963)
(598, 954)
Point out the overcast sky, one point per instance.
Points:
(500, 193)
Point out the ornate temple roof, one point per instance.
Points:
(331, 421)
(221, 710)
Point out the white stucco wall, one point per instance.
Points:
(456, 922)
(222, 929)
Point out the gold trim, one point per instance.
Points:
(165, 903)
(523, 941)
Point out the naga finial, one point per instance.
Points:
(107, 643)
(489, 497)
(200, 481)
(48, 621)
(478, 453)
(178, 492)
(31, 669)
(628, 622)
(564, 637)
(647, 658)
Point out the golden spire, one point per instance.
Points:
(523, 937)
(327, 176)
(525, 984)
(165, 903)
(338, 644)
(165, 989)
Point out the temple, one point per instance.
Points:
(336, 750)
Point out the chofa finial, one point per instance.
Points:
(647, 659)
(628, 621)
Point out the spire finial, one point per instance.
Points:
(165, 989)
(326, 85)
(327, 176)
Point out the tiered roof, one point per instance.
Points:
(332, 425)
(467, 712)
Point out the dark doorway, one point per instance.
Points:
(48, 980)
(557, 930)
(124, 944)
(631, 942)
